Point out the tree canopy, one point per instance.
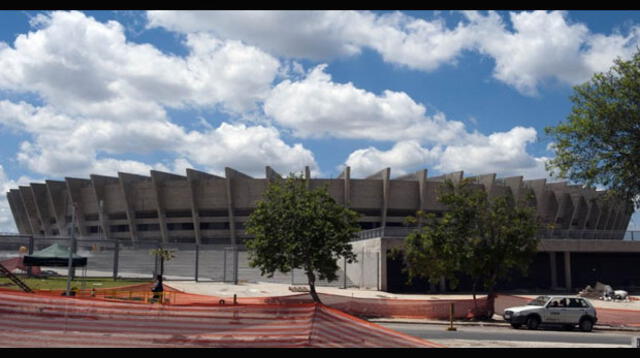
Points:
(295, 227)
(599, 143)
(481, 237)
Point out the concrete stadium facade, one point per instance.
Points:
(203, 208)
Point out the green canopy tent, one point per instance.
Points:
(54, 255)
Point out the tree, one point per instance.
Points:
(485, 239)
(164, 255)
(600, 141)
(295, 227)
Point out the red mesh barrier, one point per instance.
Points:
(35, 320)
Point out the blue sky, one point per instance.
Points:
(108, 91)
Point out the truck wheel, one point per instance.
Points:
(586, 325)
(533, 322)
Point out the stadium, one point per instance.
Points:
(587, 227)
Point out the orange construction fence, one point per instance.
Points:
(363, 307)
(37, 320)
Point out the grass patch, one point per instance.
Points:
(60, 283)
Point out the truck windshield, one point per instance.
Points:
(539, 301)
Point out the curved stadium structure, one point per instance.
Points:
(202, 208)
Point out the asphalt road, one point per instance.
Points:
(484, 336)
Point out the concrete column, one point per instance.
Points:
(567, 270)
(98, 183)
(346, 176)
(194, 177)
(19, 214)
(74, 187)
(383, 175)
(271, 174)
(613, 215)
(604, 216)
(30, 209)
(39, 192)
(307, 176)
(126, 180)
(515, 184)
(158, 179)
(230, 174)
(554, 270)
(385, 195)
(58, 200)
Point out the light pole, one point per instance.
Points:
(72, 244)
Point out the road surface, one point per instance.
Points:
(483, 336)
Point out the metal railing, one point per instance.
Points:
(403, 231)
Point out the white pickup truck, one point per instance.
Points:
(567, 311)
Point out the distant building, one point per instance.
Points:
(586, 243)
(205, 209)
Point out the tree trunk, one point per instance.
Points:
(312, 287)
(475, 302)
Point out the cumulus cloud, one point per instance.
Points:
(105, 96)
(248, 149)
(89, 68)
(539, 47)
(402, 157)
(68, 146)
(547, 46)
(318, 107)
(503, 153)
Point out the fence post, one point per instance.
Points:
(116, 255)
(362, 270)
(344, 273)
(31, 247)
(197, 259)
(378, 271)
(224, 265)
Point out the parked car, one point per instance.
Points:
(567, 311)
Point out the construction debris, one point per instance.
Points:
(604, 292)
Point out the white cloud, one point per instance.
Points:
(503, 153)
(304, 34)
(541, 47)
(68, 146)
(104, 95)
(404, 156)
(248, 149)
(86, 67)
(318, 107)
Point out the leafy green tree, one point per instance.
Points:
(295, 227)
(485, 239)
(599, 143)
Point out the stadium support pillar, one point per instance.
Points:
(39, 192)
(74, 188)
(567, 270)
(554, 270)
